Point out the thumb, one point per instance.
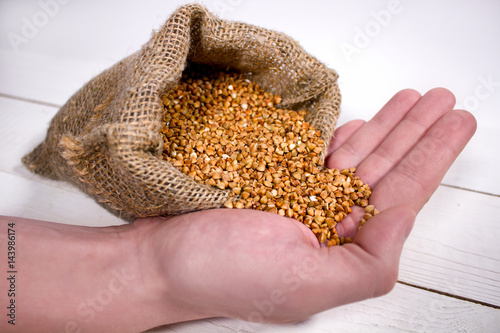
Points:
(382, 238)
(387, 231)
(369, 266)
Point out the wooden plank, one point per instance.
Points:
(454, 246)
(373, 64)
(22, 127)
(44, 78)
(476, 167)
(50, 200)
(404, 309)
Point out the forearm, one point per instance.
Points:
(64, 278)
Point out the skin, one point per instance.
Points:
(252, 265)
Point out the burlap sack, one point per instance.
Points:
(106, 139)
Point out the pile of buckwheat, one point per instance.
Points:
(225, 131)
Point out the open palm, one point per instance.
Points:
(262, 267)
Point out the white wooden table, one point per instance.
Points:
(450, 269)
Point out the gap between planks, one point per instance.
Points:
(29, 100)
(470, 190)
(442, 293)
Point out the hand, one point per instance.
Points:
(260, 266)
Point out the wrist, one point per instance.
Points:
(145, 290)
(158, 262)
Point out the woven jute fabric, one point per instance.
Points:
(106, 138)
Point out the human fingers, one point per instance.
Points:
(343, 133)
(405, 135)
(370, 135)
(417, 176)
(349, 150)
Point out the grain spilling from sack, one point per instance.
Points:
(223, 130)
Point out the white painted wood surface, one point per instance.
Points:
(450, 268)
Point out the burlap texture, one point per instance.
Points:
(106, 139)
